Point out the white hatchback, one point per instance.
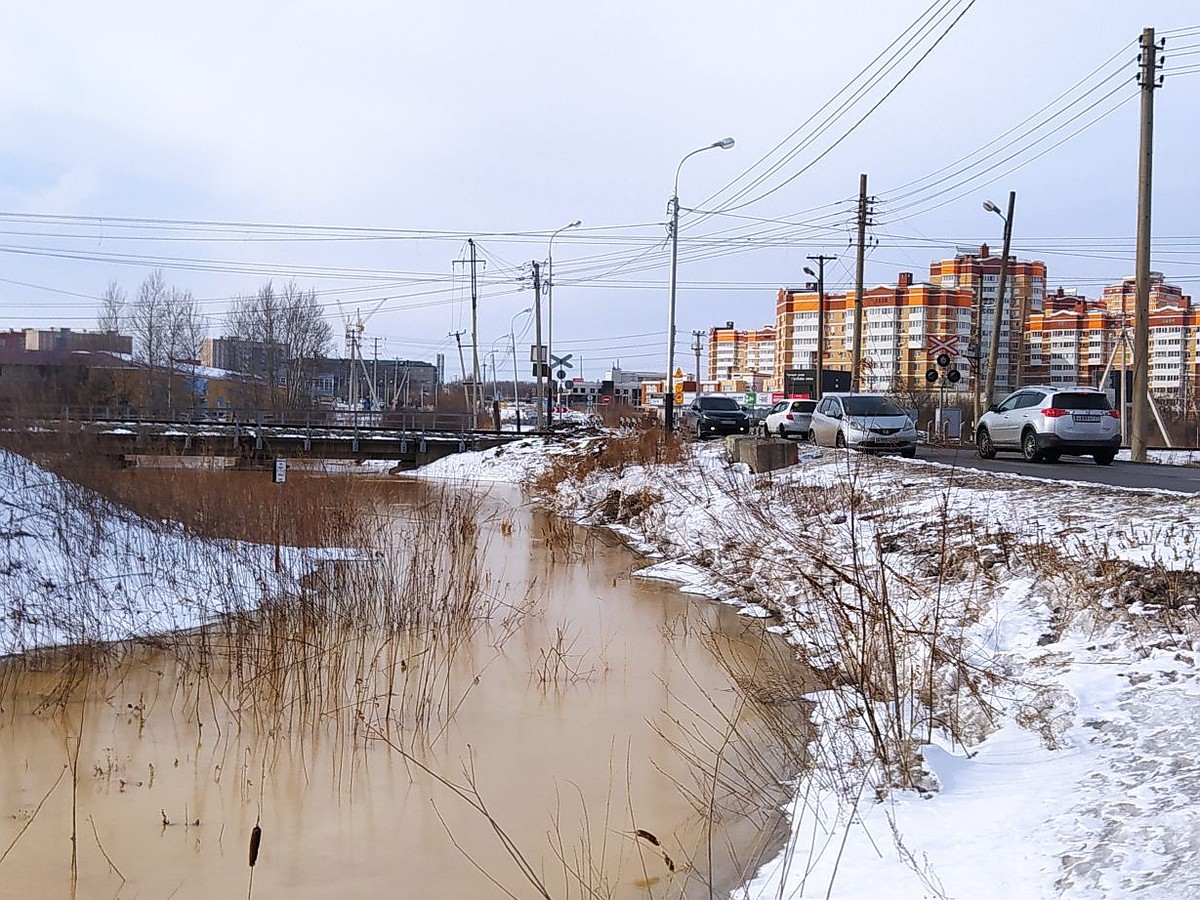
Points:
(789, 418)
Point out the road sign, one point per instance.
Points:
(678, 373)
(751, 398)
(280, 470)
(947, 344)
(561, 362)
(679, 393)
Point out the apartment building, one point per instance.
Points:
(898, 321)
(1075, 340)
(741, 356)
(1024, 296)
(71, 340)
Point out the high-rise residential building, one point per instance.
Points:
(70, 340)
(1024, 296)
(741, 356)
(1074, 341)
(899, 322)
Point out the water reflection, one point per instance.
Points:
(575, 736)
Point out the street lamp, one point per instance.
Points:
(998, 318)
(512, 335)
(550, 314)
(819, 368)
(669, 399)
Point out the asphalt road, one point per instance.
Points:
(1185, 479)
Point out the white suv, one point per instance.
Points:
(1043, 423)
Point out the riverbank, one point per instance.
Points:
(1011, 686)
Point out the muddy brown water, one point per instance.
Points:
(596, 743)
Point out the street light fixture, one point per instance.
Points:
(669, 399)
(550, 313)
(998, 319)
(512, 336)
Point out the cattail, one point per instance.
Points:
(647, 836)
(255, 840)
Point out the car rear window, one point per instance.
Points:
(727, 403)
(1082, 400)
(804, 406)
(871, 406)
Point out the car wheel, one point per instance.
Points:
(840, 440)
(983, 444)
(909, 452)
(782, 431)
(1104, 458)
(1029, 447)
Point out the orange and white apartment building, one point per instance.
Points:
(741, 360)
(1074, 340)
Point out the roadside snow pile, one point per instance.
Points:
(1010, 689)
(74, 568)
(510, 463)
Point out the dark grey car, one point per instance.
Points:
(714, 414)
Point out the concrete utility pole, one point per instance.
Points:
(819, 366)
(856, 356)
(1148, 80)
(457, 335)
(476, 390)
(539, 363)
(696, 348)
(998, 318)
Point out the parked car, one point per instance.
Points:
(714, 414)
(789, 418)
(864, 422)
(1043, 423)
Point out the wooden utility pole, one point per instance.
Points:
(1148, 79)
(860, 262)
(819, 366)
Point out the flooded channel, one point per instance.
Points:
(575, 732)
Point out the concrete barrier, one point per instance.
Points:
(762, 454)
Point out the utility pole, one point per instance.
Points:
(1148, 80)
(819, 367)
(457, 335)
(860, 263)
(998, 318)
(375, 373)
(696, 348)
(538, 362)
(474, 327)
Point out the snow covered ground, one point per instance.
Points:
(76, 569)
(1073, 775)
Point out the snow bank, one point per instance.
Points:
(74, 568)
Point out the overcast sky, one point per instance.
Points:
(383, 135)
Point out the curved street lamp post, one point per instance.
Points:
(550, 316)
(669, 398)
(998, 318)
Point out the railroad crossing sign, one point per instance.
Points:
(561, 362)
(943, 345)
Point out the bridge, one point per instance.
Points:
(254, 439)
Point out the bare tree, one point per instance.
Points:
(308, 337)
(112, 309)
(283, 333)
(166, 328)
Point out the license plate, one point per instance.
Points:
(1079, 418)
